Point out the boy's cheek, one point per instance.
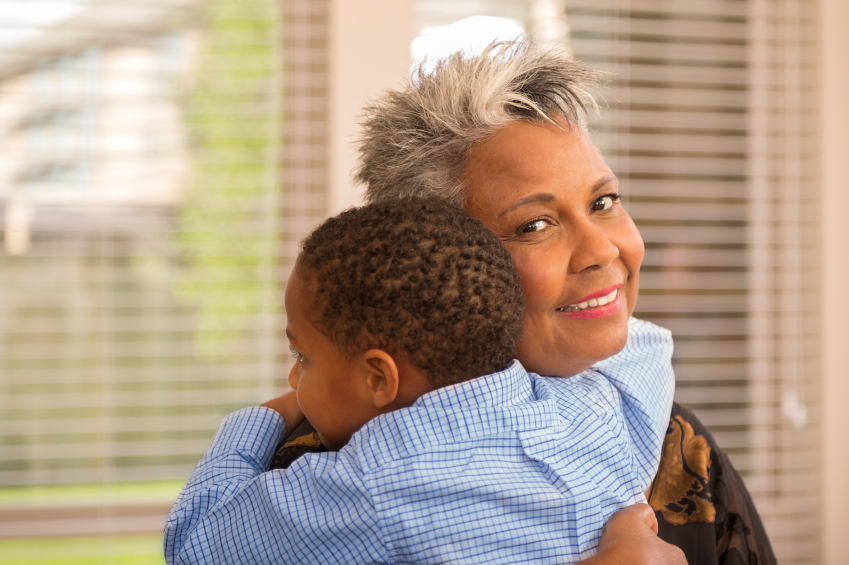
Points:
(294, 376)
(306, 400)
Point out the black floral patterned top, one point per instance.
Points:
(701, 503)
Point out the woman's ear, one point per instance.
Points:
(381, 377)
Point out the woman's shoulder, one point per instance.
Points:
(701, 502)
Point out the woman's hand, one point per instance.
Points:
(287, 406)
(630, 538)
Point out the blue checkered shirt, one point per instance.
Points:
(507, 468)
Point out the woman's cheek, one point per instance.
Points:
(543, 278)
(632, 250)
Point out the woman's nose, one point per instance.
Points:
(294, 376)
(593, 248)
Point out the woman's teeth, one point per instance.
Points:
(591, 303)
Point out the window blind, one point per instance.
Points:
(710, 126)
(160, 160)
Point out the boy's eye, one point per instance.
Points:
(605, 202)
(298, 357)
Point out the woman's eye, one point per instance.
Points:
(534, 226)
(605, 202)
(298, 357)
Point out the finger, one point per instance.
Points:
(646, 515)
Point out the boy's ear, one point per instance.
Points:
(381, 377)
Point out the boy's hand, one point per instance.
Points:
(287, 406)
(630, 537)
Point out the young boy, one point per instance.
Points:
(403, 318)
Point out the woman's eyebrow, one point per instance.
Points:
(600, 183)
(291, 336)
(548, 197)
(545, 197)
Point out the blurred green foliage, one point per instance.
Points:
(122, 550)
(226, 224)
(84, 494)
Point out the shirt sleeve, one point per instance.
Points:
(642, 373)
(317, 511)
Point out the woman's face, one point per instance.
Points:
(548, 195)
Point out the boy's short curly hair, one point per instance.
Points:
(420, 277)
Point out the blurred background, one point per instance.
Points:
(161, 159)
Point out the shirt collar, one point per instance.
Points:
(511, 400)
(510, 385)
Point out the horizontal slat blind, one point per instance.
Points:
(146, 235)
(709, 127)
(783, 258)
(304, 165)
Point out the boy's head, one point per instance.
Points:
(392, 300)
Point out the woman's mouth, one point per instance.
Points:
(597, 307)
(592, 302)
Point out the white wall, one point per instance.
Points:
(834, 147)
(369, 52)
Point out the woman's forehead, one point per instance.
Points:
(529, 157)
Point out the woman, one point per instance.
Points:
(504, 135)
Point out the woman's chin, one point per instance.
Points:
(574, 346)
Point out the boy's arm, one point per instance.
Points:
(287, 406)
(239, 452)
(642, 374)
(318, 510)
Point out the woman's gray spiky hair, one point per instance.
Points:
(415, 141)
